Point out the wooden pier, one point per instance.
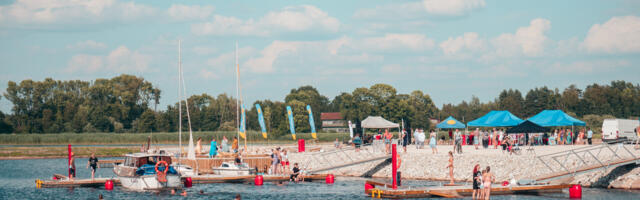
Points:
(98, 182)
(204, 179)
(382, 190)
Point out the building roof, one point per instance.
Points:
(330, 116)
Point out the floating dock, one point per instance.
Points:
(204, 179)
(382, 190)
(98, 182)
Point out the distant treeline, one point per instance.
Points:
(126, 103)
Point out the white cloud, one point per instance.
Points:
(225, 63)
(189, 12)
(86, 63)
(619, 34)
(585, 67)
(289, 19)
(269, 55)
(469, 41)
(89, 44)
(206, 74)
(120, 59)
(452, 7)
(529, 41)
(40, 12)
(420, 10)
(415, 42)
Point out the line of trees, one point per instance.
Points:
(126, 103)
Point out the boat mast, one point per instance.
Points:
(237, 95)
(179, 102)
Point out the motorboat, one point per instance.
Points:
(147, 171)
(234, 169)
(185, 170)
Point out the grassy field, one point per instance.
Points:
(158, 138)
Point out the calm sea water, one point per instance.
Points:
(17, 182)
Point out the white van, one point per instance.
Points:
(613, 129)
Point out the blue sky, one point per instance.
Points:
(450, 49)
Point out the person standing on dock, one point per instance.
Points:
(488, 179)
(387, 140)
(72, 167)
(476, 182)
(224, 146)
(450, 166)
(93, 163)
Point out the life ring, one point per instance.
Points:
(162, 176)
(166, 167)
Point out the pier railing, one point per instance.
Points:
(587, 159)
(347, 156)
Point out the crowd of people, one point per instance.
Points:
(280, 165)
(215, 148)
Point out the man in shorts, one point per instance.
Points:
(93, 163)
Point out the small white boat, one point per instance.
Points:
(144, 171)
(233, 169)
(185, 170)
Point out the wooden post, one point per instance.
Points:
(394, 165)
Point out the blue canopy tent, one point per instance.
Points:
(450, 122)
(548, 118)
(496, 118)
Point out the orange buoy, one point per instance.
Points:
(188, 182)
(575, 191)
(258, 180)
(108, 185)
(329, 179)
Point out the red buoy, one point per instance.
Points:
(505, 183)
(258, 180)
(329, 179)
(108, 185)
(188, 182)
(575, 191)
(368, 186)
(54, 178)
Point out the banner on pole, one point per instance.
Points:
(291, 123)
(242, 130)
(261, 121)
(313, 125)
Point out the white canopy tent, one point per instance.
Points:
(378, 122)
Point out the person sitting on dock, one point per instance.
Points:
(93, 163)
(72, 167)
(294, 175)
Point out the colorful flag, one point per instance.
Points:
(313, 126)
(261, 121)
(242, 130)
(292, 126)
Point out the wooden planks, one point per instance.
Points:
(98, 182)
(456, 191)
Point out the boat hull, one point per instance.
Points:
(149, 182)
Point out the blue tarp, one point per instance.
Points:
(148, 169)
(496, 118)
(548, 118)
(450, 122)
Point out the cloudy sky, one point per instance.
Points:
(450, 49)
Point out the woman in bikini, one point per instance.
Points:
(450, 166)
(487, 180)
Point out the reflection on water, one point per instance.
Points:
(17, 182)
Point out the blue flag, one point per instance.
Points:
(261, 121)
(292, 126)
(313, 125)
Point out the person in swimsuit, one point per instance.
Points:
(93, 163)
(450, 166)
(72, 167)
(387, 140)
(476, 182)
(488, 179)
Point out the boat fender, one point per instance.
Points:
(329, 179)
(188, 182)
(575, 191)
(108, 185)
(258, 180)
